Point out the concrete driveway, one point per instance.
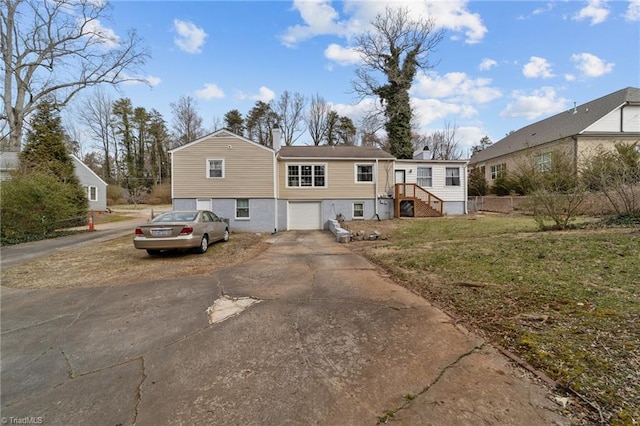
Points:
(330, 342)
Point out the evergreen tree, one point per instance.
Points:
(45, 158)
(45, 149)
(234, 122)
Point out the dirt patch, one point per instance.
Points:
(117, 262)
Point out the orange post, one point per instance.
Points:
(91, 228)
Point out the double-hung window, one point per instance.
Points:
(306, 175)
(215, 168)
(364, 173)
(498, 170)
(543, 162)
(92, 193)
(424, 178)
(452, 176)
(242, 208)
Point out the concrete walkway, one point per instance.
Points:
(328, 341)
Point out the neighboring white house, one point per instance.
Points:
(96, 188)
(8, 163)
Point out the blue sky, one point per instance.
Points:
(502, 64)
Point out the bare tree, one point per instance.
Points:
(187, 124)
(95, 112)
(290, 110)
(396, 47)
(368, 128)
(53, 50)
(317, 118)
(443, 144)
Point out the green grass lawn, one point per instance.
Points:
(566, 302)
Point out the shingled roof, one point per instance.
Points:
(568, 123)
(333, 152)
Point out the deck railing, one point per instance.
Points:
(425, 204)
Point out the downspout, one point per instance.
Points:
(375, 189)
(466, 191)
(575, 154)
(275, 192)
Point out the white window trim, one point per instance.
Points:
(446, 177)
(248, 208)
(326, 175)
(353, 211)
(89, 193)
(355, 173)
(430, 168)
(207, 168)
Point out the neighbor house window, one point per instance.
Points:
(242, 208)
(306, 175)
(543, 162)
(215, 168)
(358, 210)
(453, 176)
(92, 193)
(424, 178)
(498, 170)
(364, 173)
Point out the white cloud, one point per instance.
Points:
(429, 111)
(104, 36)
(596, 11)
(320, 18)
(135, 81)
(570, 77)
(456, 87)
(487, 64)
(210, 91)
(590, 65)
(633, 11)
(537, 68)
(533, 105)
(190, 38)
(264, 94)
(342, 55)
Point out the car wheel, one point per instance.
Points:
(153, 252)
(204, 244)
(225, 236)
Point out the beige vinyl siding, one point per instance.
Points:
(340, 176)
(248, 170)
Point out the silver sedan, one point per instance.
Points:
(193, 229)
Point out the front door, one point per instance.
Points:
(400, 176)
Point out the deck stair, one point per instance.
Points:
(412, 200)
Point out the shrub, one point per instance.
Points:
(501, 186)
(38, 203)
(478, 185)
(616, 174)
(160, 194)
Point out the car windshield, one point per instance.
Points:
(176, 217)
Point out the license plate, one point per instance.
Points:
(160, 232)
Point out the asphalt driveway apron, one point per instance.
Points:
(328, 341)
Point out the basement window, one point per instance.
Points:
(358, 210)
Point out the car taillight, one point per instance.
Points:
(186, 230)
(139, 231)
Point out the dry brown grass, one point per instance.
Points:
(117, 262)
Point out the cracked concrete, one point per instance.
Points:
(331, 342)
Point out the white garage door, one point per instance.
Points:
(305, 215)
